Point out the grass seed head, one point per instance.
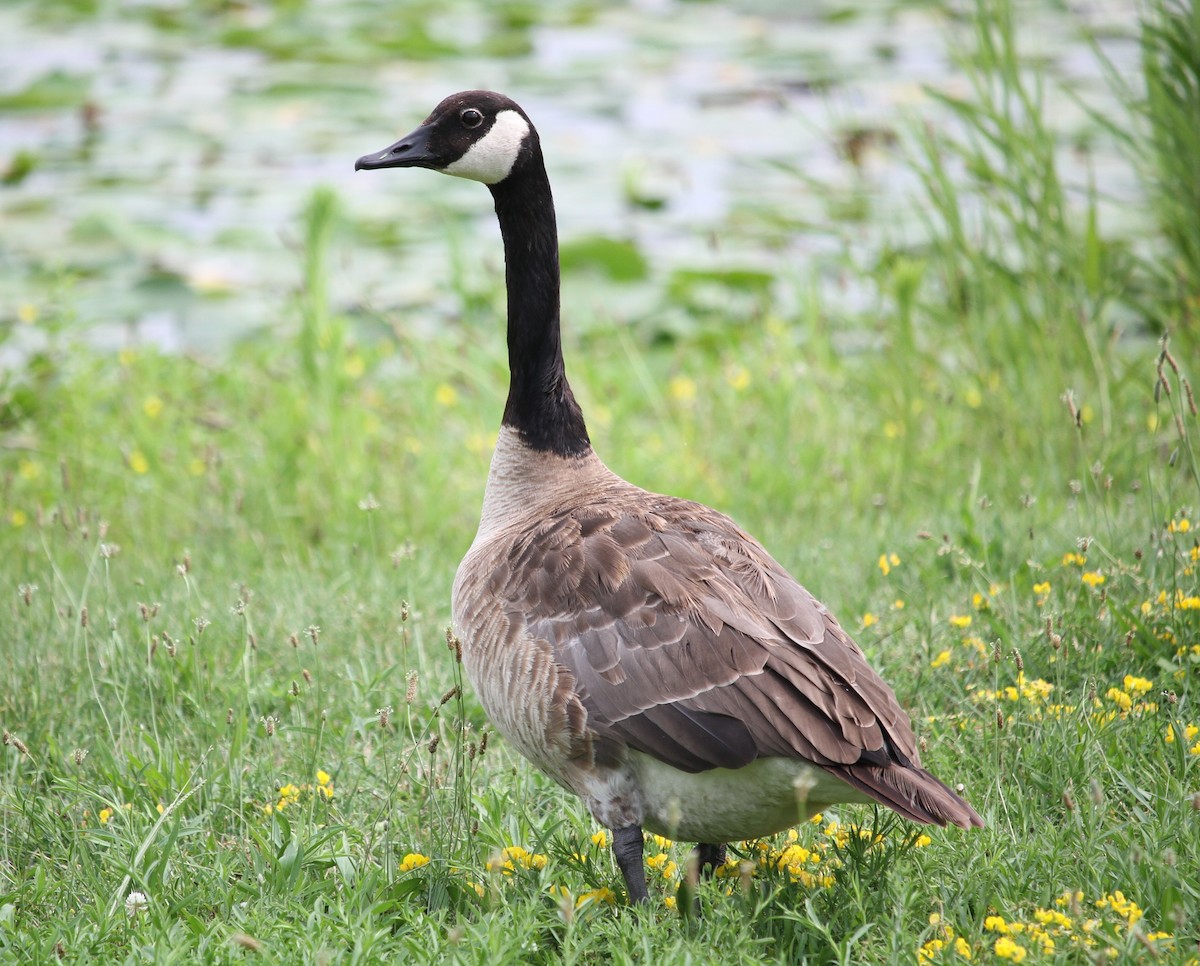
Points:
(314, 633)
(11, 739)
(246, 941)
(385, 716)
(410, 691)
(83, 616)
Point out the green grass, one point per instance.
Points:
(218, 573)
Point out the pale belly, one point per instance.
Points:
(728, 805)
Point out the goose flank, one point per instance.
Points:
(643, 650)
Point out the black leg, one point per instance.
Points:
(627, 848)
(710, 858)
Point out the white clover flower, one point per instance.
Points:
(135, 902)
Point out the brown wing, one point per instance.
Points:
(690, 643)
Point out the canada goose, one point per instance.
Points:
(644, 651)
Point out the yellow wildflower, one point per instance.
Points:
(868, 619)
(1120, 698)
(1077, 559)
(1052, 917)
(682, 389)
(961, 621)
(152, 406)
(413, 860)
(1006, 948)
(594, 896)
(509, 859)
(1138, 686)
(445, 395)
(603, 838)
(738, 378)
(323, 777)
(1042, 589)
(105, 815)
(1093, 578)
(138, 462)
(995, 924)
(942, 658)
(887, 561)
(922, 841)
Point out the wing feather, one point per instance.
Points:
(687, 641)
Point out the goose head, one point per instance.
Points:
(480, 135)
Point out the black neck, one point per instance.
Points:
(540, 403)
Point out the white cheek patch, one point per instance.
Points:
(491, 158)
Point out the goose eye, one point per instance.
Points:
(471, 118)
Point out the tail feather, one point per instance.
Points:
(912, 792)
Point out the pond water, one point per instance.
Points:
(156, 155)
